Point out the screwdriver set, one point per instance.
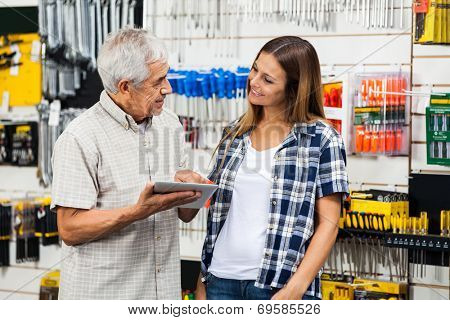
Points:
(380, 107)
(22, 147)
(33, 220)
(27, 244)
(379, 290)
(18, 143)
(49, 287)
(206, 101)
(46, 222)
(5, 232)
(438, 130)
(3, 144)
(376, 229)
(366, 219)
(362, 289)
(432, 23)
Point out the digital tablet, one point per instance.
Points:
(207, 191)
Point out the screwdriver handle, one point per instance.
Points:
(443, 214)
(423, 222)
(414, 222)
(447, 227)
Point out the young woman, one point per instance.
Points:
(281, 175)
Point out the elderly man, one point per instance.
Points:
(120, 239)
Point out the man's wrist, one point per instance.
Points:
(130, 213)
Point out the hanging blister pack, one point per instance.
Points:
(46, 226)
(24, 144)
(438, 130)
(3, 144)
(27, 244)
(5, 232)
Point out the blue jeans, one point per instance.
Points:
(227, 289)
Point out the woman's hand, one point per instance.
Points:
(200, 292)
(289, 292)
(189, 176)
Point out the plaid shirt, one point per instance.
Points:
(310, 164)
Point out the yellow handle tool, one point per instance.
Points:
(375, 222)
(360, 220)
(380, 223)
(348, 220)
(423, 222)
(354, 220)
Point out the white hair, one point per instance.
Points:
(126, 55)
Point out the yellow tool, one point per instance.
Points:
(360, 220)
(443, 218)
(414, 225)
(394, 223)
(386, 222)
(448, 224)
(423, 223)
(354, 220)
(348, 220)
(366, 221)
(380, 223)
(358, 195)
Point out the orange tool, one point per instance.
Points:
(364, 91)
(398, 139)
(390, 140)
(367, 138)
(382, 141)
(359, 138)
(374, 142)
(402, 88)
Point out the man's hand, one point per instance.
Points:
(150, 203)
(189, 176)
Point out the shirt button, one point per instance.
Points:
(158, 270)
(158, 238)
(274, 202)
(275, 178)
(266, 255)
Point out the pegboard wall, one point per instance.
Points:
(345, 47)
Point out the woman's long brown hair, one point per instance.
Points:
(303, 90)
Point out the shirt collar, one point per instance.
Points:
(305, 128)
(118, 114)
